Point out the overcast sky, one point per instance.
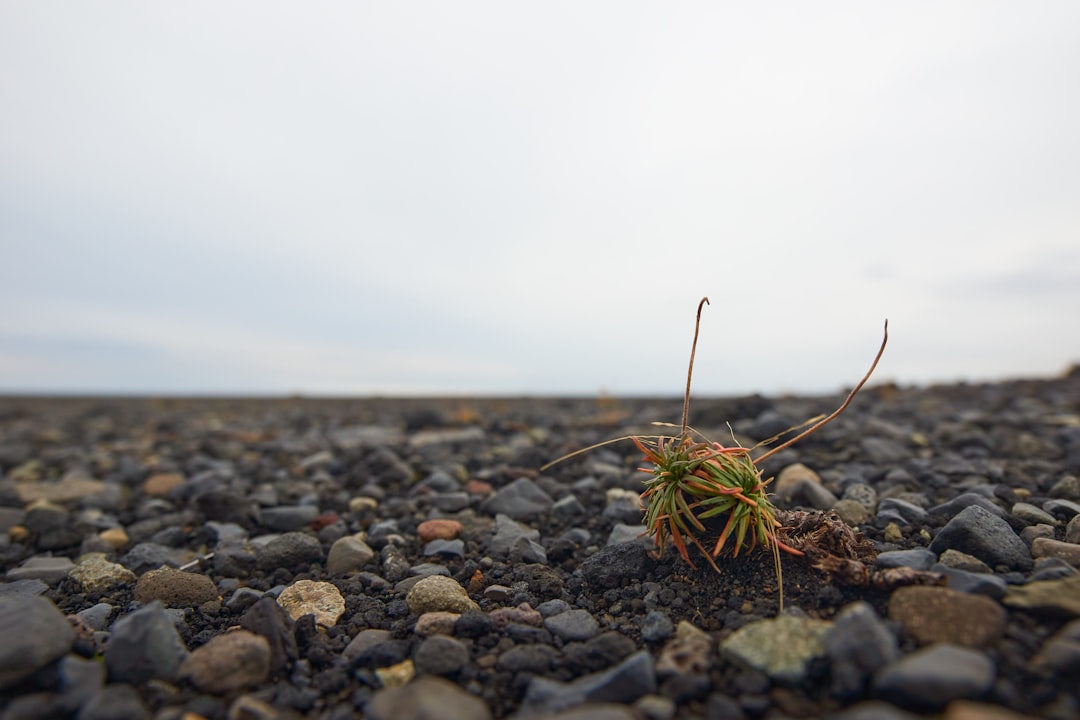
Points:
(504, 198)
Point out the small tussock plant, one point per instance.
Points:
(693, 480)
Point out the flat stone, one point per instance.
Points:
(309, 597)
(936, 614)
(1056, 597)
(49, 570)
(782, 647)
(572, 625)
(1046, 547)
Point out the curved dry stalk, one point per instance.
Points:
(690, 371)
(832, 416)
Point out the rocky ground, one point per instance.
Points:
(406, 559)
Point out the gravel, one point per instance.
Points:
(394, 558)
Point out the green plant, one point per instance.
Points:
(694, 481)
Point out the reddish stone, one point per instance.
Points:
(478, 487)
(439, 529)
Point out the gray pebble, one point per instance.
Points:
(33, 633)
(915, 558)
(979, 532)
(452, 548)
(288, 551)
(519, 499)
(96, 617)
(287, 518)
(145, 645)
(656, 627)
(858, 644)
(930, 678)
(115, 701)
(899, 511)
(572, 625)
(441, 655)
(47, 569)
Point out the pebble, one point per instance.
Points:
(935, 614)
(448, 548)
(1060, 654)
(1072, 531)
(1048, 596)
(439, 592)
(572, 625)
(613, 565)
(116, 538)
(851, 512)
(895, 510)
(439, 622)
(144, 645)
(782, 647)
(1031, 514)
(511, 539)
(978, 532)
(228, 662)
(798, 485)
(520, 499)
(687, 652)
(348, 554)
(428, 696)
(931, 678)
(441, 655)
(623, 683)
(656, 627)
(33, 634)
(95, 574)
(863, 494)
(161, 484)
(915, 558)
(962, 502)
(396, 675)
(287, 551)
(622, 506)
(49, 570)
(365, 641)
(115, 701)
(438, 529)
(175, 587)
(287, 518)
(858, 645)
(1047, 547)
(962, 561)
(532, 658)
(309, 597)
